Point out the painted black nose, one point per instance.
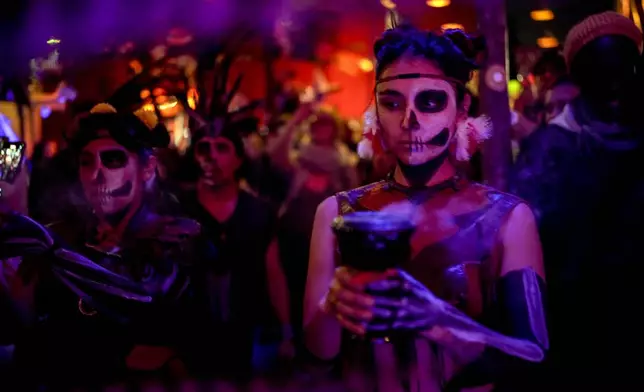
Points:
(411, 122)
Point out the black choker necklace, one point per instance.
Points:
(419, 195)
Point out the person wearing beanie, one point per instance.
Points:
(110, 295)
(582, 175)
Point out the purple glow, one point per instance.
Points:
(90, 25)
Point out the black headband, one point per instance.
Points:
(419, 76)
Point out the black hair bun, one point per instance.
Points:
(392, 38)
(470, 46)
(455, 52)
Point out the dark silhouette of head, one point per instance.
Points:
(549, 68)
(602, 53)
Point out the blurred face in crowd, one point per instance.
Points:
(112, 177)
(50, 149)
(557, 98)
(218, 161)
(548, 77)
(417, 115)
(324, 130)
(253, 145)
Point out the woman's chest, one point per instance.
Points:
(454, 261)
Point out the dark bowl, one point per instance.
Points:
(373, 240)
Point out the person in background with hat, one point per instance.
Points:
(125, 311)
(583, 176)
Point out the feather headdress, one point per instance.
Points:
(219, 110)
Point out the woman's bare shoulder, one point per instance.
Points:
(328, 209)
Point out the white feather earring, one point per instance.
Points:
(472, 129)
(369, 131)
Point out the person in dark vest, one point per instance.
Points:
(582, 174)
(247, 292)
(470, 240)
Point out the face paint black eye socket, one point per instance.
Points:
(114, 159)
(202, 148)
(431, 101)
(223, 148)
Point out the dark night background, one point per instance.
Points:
(567, 14)
(15, 14)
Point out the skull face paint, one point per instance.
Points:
(111, 176)
(217, 160)
(417, 114)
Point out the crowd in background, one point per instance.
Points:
(578, 134)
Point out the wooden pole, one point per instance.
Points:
(493, 92)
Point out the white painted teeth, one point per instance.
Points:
(103, 194)
(418, 143)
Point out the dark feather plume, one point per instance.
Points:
(212, 116)
(392, 20)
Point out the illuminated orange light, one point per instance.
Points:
(548, 42)
(148, 107)
(193, 98)
(365, 65)
(136, 66)
(532, 79)
(624, 7)
(388, 4)
(542, 15)
(167, 105)
(438, 3)
(636, 18)
(452, 26)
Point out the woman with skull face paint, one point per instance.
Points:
(475, 248)
(90, 330)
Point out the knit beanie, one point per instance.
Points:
(599, 25)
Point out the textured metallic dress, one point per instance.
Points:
(96, 299)
(455, 254)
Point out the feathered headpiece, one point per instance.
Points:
(218, 111)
